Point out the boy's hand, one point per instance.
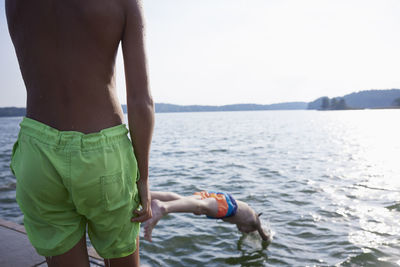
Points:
(142, 215)
(145, 199)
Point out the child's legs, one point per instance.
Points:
(164, 196)
(192, 204)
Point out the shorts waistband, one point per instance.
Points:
(72, 139)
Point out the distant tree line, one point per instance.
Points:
(337, 103)
(359, 100)
(396, 102)
(12, 112)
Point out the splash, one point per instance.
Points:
(252, 242)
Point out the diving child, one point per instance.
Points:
(215, 205)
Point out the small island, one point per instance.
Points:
(370, 99)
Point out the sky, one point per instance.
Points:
(217, 52)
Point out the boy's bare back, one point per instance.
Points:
(66, 51)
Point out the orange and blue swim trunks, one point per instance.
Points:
(227, 205)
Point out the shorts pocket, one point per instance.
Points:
(115, 191)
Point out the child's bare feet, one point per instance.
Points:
(157, 210)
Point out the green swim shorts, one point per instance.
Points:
(68, 180)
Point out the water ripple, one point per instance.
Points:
(327, 183)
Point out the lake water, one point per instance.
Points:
(327, 183)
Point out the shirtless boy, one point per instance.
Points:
(216, 205)
(74, 163)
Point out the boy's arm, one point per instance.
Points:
(263, 235)
(139, 100)
(261, 231)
